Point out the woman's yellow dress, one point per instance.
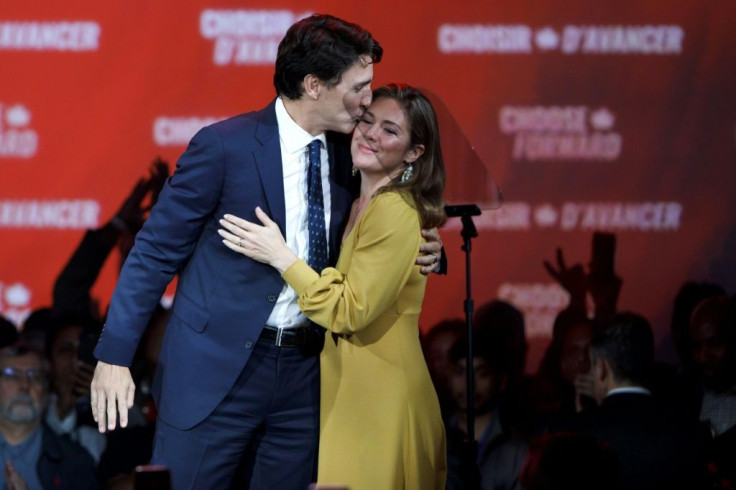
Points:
(380, 423)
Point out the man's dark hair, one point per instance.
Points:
(324, 46)
(627, 343)
(503, 324)
(8, 332)
(57, 324)
(497, 355)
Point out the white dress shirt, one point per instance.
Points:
(295, 165)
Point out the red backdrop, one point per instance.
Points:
(616, 115)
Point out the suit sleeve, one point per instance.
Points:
(164, 244)
(387, 244)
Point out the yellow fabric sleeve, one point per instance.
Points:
(387, 239)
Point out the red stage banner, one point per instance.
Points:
(615, 116)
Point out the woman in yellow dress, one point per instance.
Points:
(380, 423)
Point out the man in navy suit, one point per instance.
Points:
(236, 376)
(656, 448)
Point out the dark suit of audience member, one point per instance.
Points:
(568, 461)
(657, 450)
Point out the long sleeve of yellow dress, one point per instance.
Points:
(386, 246)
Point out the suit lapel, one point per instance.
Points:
(340, 189)
(268, 162)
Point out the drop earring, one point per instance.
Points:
(408, 172)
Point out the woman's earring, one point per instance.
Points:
(408, 172)
(354, 171)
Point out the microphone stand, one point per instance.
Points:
(465, 212)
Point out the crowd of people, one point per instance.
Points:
(648, 425)
(295, 326)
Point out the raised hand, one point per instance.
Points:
(572, 279)
(131, 214)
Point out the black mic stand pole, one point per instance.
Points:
(466, 212)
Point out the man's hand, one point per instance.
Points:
(584, 387)
(111, 392)
(430, 251)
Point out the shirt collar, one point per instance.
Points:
(26, 443)
(629, 389)
(293, 137)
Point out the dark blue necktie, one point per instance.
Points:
(317, 259)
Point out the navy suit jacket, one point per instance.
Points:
(223, 299)
(657, 449)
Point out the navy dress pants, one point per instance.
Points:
(263, 435)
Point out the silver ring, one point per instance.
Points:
(240, 242)
(435, 258)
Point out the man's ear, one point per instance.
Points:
(312, 86)
(601, 369)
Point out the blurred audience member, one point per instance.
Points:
(562, 385)
(656, 449)
(436, 345)
(713, 339)
(34, 456)
(501, 323)
(570, 462)
(68, 411)
(501, 449)
(690, 294)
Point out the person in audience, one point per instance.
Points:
(33, 455)
(562, 386)
(688, 297)
(501, 323)
(436, 345)
(713, 340)
(656, 448)
(68, 410)
(501, 449)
